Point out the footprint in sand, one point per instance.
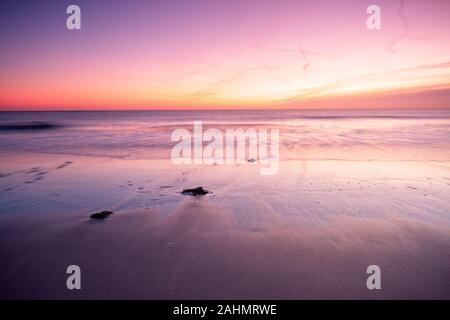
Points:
(38, 178)
(33, 170)
(37, 173)
(65, 164)
(142, 190)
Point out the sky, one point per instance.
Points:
(203, 54)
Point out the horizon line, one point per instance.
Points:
(225, 109)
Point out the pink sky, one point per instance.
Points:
(225, 54)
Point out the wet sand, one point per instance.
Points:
(307, 233)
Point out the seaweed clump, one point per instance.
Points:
(101, 215)
(199, 191)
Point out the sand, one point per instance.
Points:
(307, 233)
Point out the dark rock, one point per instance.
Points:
(199, 191)
(101, 215)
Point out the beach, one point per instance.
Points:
(353, 189)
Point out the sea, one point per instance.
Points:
(391, 135)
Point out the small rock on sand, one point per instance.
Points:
(101, 215)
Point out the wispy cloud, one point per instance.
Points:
(404, 20)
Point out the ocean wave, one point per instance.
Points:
(25, 126)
